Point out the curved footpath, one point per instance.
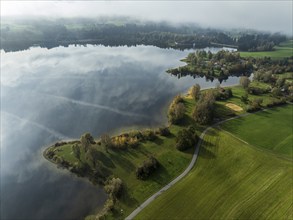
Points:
(185, 172)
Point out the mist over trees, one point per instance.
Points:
(113, 31)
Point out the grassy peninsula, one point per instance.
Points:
(239, 171)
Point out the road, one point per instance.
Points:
(185, 172)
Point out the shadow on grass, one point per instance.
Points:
(122, 161)
(160, 175)
(186, 121)
(105, 160)
(158, 141)
(205, 152)
(211, 133)
(128, 199)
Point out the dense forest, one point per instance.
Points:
(22, 33)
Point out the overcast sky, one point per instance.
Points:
(275, 16)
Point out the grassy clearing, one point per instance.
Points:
(284, 50)
(271, 129)
(231, 180)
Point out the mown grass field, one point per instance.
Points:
(231, 180)
(284, 50)
(270, 129)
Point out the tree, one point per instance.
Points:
(176, 112)
(244, 81)
(106, 141)
(86, 141)
(195, 92)
(91, 156)
(76, 151)
(204, 110)
(114, 187)
(148, 166)
(186, 138)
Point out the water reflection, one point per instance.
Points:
(49, 95)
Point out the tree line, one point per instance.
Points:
(52, 33)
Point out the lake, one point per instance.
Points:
(61, 93)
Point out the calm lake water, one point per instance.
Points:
(61, 93)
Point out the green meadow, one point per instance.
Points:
(270, 129)
(285, 49)
(231, 180)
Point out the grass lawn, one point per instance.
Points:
(271, 129)
(231, 180)
(284, 50)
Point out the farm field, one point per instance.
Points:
(284, 50)
(270, 129)
(231, 180)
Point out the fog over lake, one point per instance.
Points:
(61, 93)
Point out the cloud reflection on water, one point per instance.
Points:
(48, 95)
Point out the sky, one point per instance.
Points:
(274, 16)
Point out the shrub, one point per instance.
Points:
(147, 168)
(257, 90)
(186, 138)
(251, 108)
(58, 144)
(254, 105)
(50, 154)
(164, 131)
(136, 134)
(223, 94)
(114, 187)
(277, 102)
(149, 135)
(244, 81)
(120, 142)
(178, 99)
(276, 92)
